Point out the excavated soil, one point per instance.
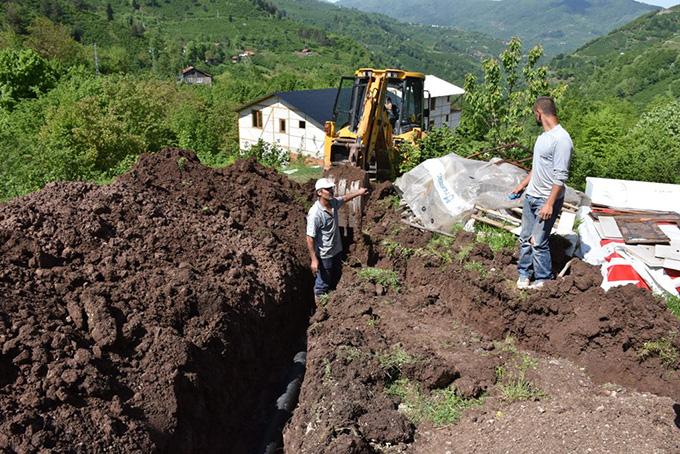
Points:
(455, 321)
(154, 314)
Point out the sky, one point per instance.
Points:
(664, 3)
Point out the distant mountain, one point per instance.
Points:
(560, 25)
(637, 62)
(448, 53)
(169, 34)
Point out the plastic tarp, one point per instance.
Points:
(442, 192)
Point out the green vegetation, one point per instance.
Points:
(440, 407)
(393, 360)
(562, 26)
(498, 239)
(394, 249)
(476, 267)
(673, 304)
(663, 349)
(386, 278)
(511, 378)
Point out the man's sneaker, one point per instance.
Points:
(537, 284)
(523, 283)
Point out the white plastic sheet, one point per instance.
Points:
(443, 191)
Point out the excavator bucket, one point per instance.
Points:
(348, 179)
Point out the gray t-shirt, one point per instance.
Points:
(323, 227)
(552, 155)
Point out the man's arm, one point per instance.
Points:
(351, 195)
(312, 254)
(523, 184)
(547, 210)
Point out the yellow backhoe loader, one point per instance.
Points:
(375, 112)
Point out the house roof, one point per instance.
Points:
(439, 87)
(191, 68)
(316, 104)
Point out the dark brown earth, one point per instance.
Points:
(159, 313)
(455, 322)
(152, 314)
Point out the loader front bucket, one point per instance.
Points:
(348, 179)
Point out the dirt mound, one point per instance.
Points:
(445, 322)
(152, 314)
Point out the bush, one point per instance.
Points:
(267, 154)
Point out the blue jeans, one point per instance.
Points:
(328, 275)
(534, 249)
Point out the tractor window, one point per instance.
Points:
(412, 111)
(342, 111)
(349, 102)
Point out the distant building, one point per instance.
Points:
(293, 120)
(191, 75)
(445, 101)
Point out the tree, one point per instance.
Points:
(23, 74)
(53, 41)
(496, 111)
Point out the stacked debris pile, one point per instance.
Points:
(152, 314)
(632, 230)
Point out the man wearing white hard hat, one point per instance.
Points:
(323, 235)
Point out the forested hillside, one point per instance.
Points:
(623, 101)
(87, 85)
(447, 53)
(636, 62)
(560, 25)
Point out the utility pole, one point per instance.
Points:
(96, 60)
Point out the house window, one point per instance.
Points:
(302, 124)
(432, 103)
(282, 125)
(447, 118)
(257, 118)
(448, 99)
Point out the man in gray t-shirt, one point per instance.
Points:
(544, 195)
(323, 235)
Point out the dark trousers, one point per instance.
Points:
(328, 275)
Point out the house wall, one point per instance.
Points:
(197, 78)
(442, 108)
(308, 141)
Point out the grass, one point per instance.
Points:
(439, 246)
(322, 300)
(394, 359)
(673, 304)
(464, 253)
(303, 172)
(497, 239)
(386, 278)
(394, 249)
(663, 349)
(440, 407)
(349, 353)
(476, 267)
(512, 382)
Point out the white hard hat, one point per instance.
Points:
(324, 183)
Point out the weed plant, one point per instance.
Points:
(441, 407)
(386, 278)
(477, 267)
(394, 360)
(512, 381)
(673, 304)
(498, 239)
(663, 349)
(393, 249)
